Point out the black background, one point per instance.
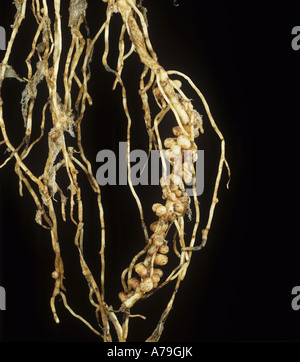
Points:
(239, 287)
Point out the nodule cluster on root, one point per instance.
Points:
(176, 204)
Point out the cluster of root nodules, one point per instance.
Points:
(52, 62)
(175, 207)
